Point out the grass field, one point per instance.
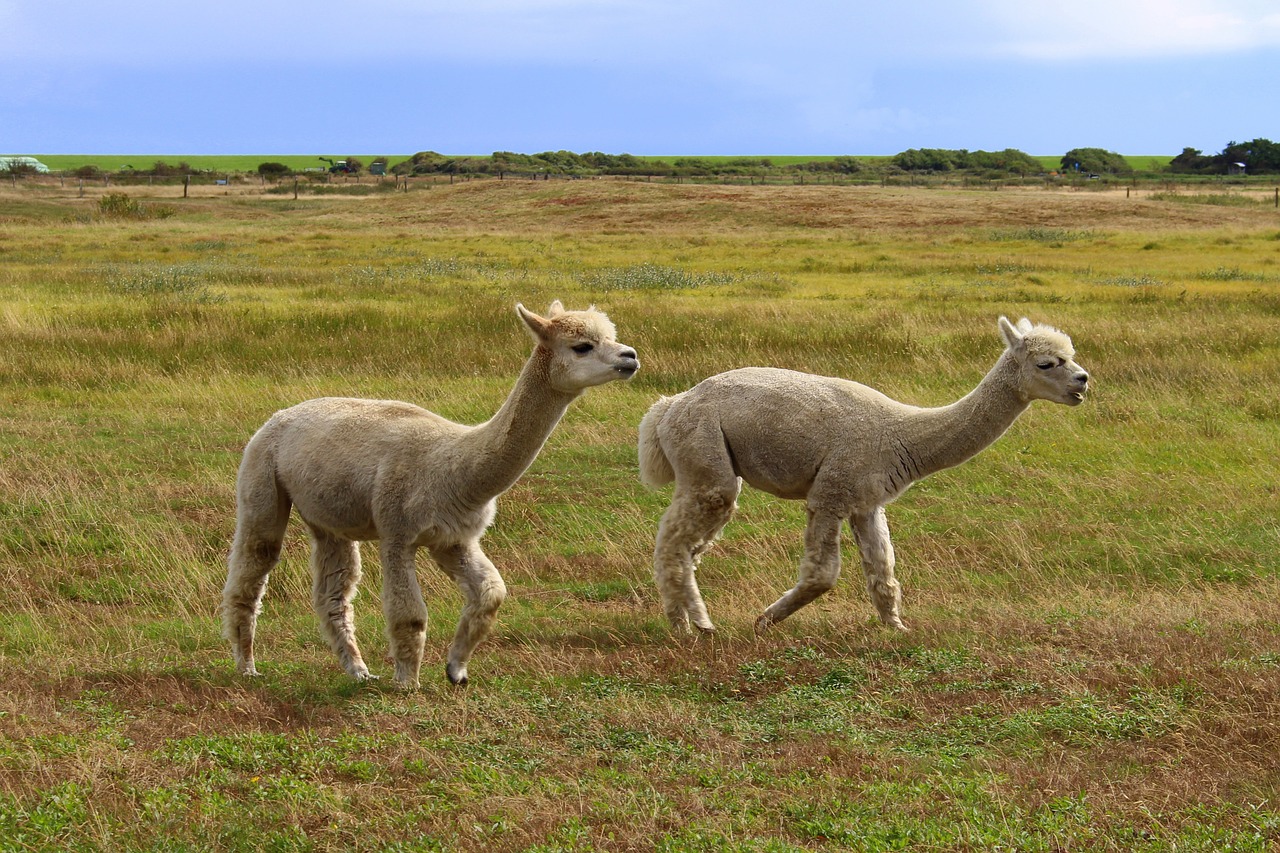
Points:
(1094, 659)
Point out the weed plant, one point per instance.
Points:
(1094, 599)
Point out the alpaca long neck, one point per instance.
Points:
(947, 436)
(494, 454)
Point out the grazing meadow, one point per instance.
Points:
(1094, 660)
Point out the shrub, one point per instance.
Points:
(273, 170)
(122, 206)
(1094, 161)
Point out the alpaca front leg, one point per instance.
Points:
(404, 611)
(819, 568)
(335, 573)
(483, 592)
(872, 533)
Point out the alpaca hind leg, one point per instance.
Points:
(687, 530)
(872, 533)
(255, 550)
(335, 573)
(819, 568)
(483, 592)
(404, 611)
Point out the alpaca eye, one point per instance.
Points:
(582, 349)
(1045, 365)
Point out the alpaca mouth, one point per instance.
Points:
(1076, 397)
(627, 371)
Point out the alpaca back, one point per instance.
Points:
(655, 468)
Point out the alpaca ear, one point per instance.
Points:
(539, 327)
(1012, 336)
(555, 310)
(1024, 325)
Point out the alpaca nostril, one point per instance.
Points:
(1082, 378)
(629, 353)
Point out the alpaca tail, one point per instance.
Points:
(655, 467)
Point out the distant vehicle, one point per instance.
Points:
(339, 167)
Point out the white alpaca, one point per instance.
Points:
(360, 470)
(843, 448)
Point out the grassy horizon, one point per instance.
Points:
(298, 162)
(1094, 600)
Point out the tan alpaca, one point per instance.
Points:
(360, 470)
(843, 448)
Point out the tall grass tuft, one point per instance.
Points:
(178, 282)
(124, 206)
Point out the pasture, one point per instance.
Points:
(1094, 660)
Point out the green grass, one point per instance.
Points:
(1093, 599)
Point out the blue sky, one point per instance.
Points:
(646, 77)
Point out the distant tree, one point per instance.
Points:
(1259, 156)
(1010, 160)
(926, 160)
(424, 162)
(1265, 155)
(1094, 161)
(354, 165)
(843, 165)
(1191, 161)
(273, 170)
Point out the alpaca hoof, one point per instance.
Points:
(763, 623)
(365, 676)
(248, 671)
(708, 628)
(458, 678)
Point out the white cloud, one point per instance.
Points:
(1128, 29)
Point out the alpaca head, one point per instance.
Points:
(1045, 362)
(582, 347)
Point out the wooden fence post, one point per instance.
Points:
(186, 184)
